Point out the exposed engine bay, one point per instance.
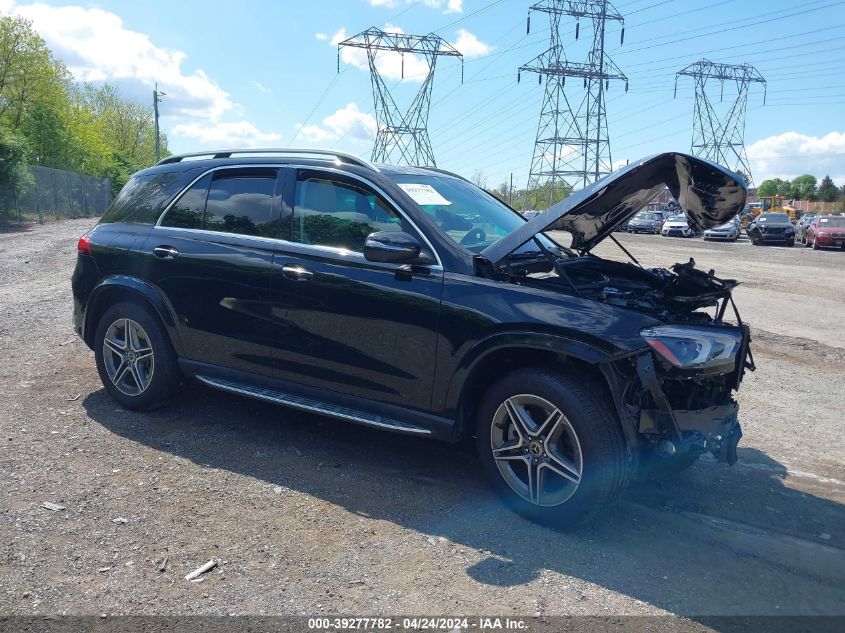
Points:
(678, 294)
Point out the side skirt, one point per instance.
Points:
(340, 406)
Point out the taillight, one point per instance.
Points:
(83, 246)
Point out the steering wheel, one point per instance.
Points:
(474, 236)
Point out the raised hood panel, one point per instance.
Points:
(708, 193)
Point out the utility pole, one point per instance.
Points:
(715, 137)
(572, 147)
(402, 136)
(156, 100)
(510, 192)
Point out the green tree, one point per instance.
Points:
(804, 187)
(768, 187)
(776, 187)
(28, 72)
(827, 191)
(13, 152)
(502, 191)
(126, 126)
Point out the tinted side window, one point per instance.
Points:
(335, 212)
(187, 211)
(241, 201)
(144, 197)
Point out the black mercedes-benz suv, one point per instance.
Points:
(408, 299)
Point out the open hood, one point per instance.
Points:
(708, 193)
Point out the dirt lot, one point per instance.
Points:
(307, 515)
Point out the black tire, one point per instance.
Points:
(791, 244)
(164, 377)
(805, 242)
(815, 245)
(604, 465)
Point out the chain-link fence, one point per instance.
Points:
(46, 193)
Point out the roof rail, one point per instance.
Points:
(342, 157)
(442, 171)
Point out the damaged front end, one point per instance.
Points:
(674, 395)
(676, 398)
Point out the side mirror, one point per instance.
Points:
(393, 247)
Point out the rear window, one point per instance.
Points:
(774, 217)
(832, 222)
(144, 197)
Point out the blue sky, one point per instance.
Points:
(264, 73)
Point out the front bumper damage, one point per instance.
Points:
(714, 428)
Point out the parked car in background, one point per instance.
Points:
(408, 299)
(801, 227)
(676, 226)
(826, 231)
(771, 228)
(645, 222)
(729, 231)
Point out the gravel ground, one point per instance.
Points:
(307, 515)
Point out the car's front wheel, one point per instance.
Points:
(135, 359)
(551, 446)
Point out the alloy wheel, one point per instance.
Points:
(536, 450)
(128, 356)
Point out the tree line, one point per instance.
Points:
(804, 187)
(47, 118)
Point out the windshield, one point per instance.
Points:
(468, 215)
(647, 216)
(831, 222)
(677, 218)
(773, 217)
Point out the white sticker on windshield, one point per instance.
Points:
(423, 194)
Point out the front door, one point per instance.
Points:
(211, 257)
(343, 323)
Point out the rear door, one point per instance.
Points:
(211, 256)
(345, 324)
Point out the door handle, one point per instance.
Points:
(297, 273)
(165, 252)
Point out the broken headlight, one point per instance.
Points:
(694, 348)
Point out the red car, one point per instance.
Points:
(826, 230)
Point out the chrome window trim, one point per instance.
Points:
(320, 248)
(270, 243)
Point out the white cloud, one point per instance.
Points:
(470, 46)
(95, 45)
(230, 134)
(260, 86)
(347, 122)
(448, 6)
(791, 154)
(321, 36)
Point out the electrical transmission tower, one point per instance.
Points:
(721, 138)
(402, 135)
(572, 148)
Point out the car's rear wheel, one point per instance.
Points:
(135, 360)
(551, 447)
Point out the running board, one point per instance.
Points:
(314, 406)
